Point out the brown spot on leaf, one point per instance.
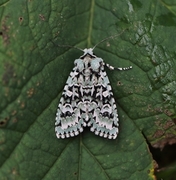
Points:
(14, 172)
(30, 92)
(168, 124)
(21, 104)
(119, 83)
(3, 122)
(8, 74)
(21, 19)
(5, 30)
(158, 133)
(42, 17)
(170, 139)
(168, 112)
(14, 113)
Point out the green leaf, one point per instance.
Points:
(33, 73)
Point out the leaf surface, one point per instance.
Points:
(33, 73)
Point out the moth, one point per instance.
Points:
(87, 100)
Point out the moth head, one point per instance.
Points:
(88, 52)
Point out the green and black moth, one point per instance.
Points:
(87, 100)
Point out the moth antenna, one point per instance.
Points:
(66, 46)
(110, 37)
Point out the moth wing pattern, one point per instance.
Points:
(105, 117)
(68, 122)
(87, 100)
